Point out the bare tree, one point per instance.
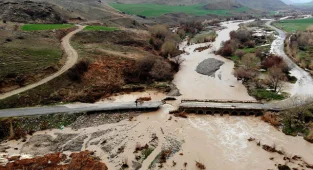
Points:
(250, 61)
(276, 78)
(295, 110)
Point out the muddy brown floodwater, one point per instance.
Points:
(224, 85)
(218, 142)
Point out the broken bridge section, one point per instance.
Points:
(226, 107)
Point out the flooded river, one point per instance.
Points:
(219, 142)
(224, 85)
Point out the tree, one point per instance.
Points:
(276, 78)
(250, 61)
(296, 109)
(244, 74)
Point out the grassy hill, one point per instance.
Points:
(155, 10)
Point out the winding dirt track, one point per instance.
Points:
(72, 58)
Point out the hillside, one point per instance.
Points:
(264, 4)
(59, 11)
(229, 5)
(308, 4)
(255, 4)
(33, 12)
(288, 2)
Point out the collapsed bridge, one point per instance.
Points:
(226, 107)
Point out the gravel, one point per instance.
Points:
(209, 67)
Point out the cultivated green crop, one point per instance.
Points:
(99, 28)
(38, 27)
(294, 25)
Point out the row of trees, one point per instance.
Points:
(300, 48)
(250, 60)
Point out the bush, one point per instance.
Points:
(242, 35)
(157, 43)
(181, 33)
(272, 61)
(168, 48)
(250, 44)
(250, 61)
(192, 27)
(159, 31)
(271, 118)
(176, 63)
(227, 50)
(309, 137)
(243, 74)
(240, 53)
(76, 72)
(161, 71)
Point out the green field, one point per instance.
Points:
(38, 27)
(99, 28)
(294, 25)
(155, 10)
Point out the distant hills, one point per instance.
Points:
(304, 4)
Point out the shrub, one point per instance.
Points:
(243, 74)
(309, 137)
(159, 31)
(250, 44)
(140, 72)
(157, 44)
(168, 48)
(192, 27)
(176, 63)
(240, 53)
(242, 35)
(272, 61)
(161, 70)
(181, 33)
(227, 50)
(76, 72)
(250, 61)
(271, 118)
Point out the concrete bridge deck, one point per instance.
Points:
(78, 108)
(227, 108)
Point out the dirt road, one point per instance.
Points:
(72, 57)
